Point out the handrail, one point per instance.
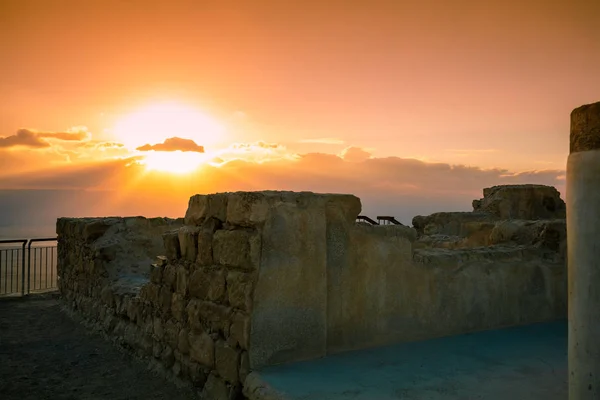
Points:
(31, 241)
(24, 243)
(393, 220)
(367, 219)
(7, 241)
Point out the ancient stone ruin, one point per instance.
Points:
(252, 279)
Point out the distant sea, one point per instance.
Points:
(26, 232)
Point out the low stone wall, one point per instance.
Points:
(253, 279)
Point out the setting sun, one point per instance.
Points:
(155, 123)
(177, 162)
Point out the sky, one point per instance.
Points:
(123, 107)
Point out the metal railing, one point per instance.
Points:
(27, 266)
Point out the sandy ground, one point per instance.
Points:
(44, 354)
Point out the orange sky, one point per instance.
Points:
(487, 84)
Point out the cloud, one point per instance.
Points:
(322, 141)
(35, 139)
(25, 138)
(355, 154)
(470, 151)
(394, 186)
(174, 144)
(257, 152)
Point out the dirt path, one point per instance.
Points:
(44, 354)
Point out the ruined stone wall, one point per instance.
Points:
(252, 279)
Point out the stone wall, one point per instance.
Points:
(251, 279)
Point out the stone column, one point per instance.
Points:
(583, 239)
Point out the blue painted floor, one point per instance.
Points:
(523, 363)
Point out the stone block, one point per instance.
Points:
(162, 261)
(107, 296)
(157, 349)
(134, 310)
(178, 305)
(205, 248)
(164, 299)
(183, 342)
(94, 230)
(157, 328)
(216, 389)
(227, 360)
(530, 202)
(207, 284)
(181, 283)
(170, 276)
(215, 315)
(149, 293)
(156, 274)
(239, 290)
(239, 332)
(203, 207)
(167, 357)
(247, 209)
(171, 243)
(202, 349)
(197, 374)
(244, 369)
(188, 242)
(171, 337)
(236, 248)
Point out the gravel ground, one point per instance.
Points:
(45, 354)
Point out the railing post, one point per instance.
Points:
(29, 266)
(23, 269)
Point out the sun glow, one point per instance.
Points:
(176, 162)
(156, 123)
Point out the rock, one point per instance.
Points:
(216, 389)
(449, 223)
(169, 276)
(205, 248)
(247, 208)
(202, 207)
(94, 230)
(236, 248)
(157, 328)
(239, 332)
(164, 299)
(156, 274)
(181, 284)
(178, 305)
(171, 243)
(183, 343)
(244, 369)
(215, 315)
(239, 290)
(202, 349)
(161, 261)
(197, 374)
(227, 361)
(171, 336)
(207, 284)
(149, 293)
(528, 202)
(188, 242)
(167, 357)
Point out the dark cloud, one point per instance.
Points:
(174, 144)
(25, 138)
(34, 139)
